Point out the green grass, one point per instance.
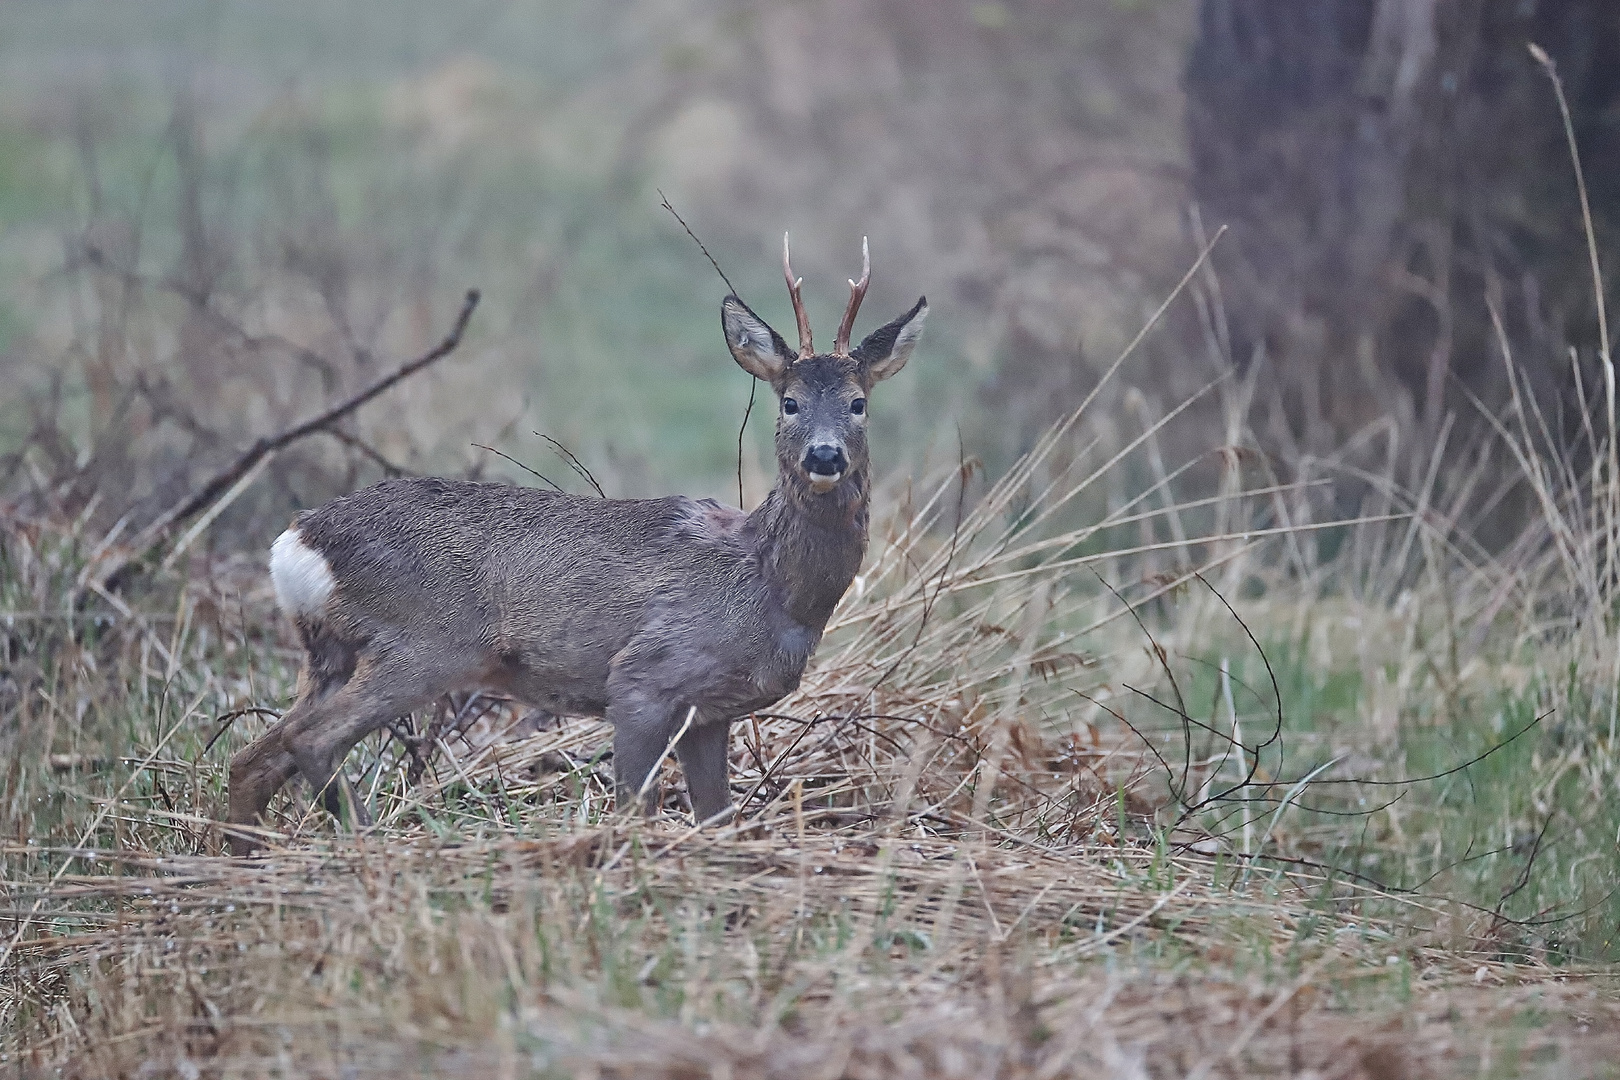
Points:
(1472, 833)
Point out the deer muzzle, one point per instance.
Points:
(825, 465)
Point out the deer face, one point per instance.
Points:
(821, 397)
(821, 421)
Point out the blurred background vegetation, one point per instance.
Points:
(217, 216)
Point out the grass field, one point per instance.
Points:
(1202, 788)
(1121, 759)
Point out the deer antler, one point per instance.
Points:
(803, 317)
(857, 293)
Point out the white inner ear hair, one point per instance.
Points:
(301, 575)
(758, 339)
(907, 338)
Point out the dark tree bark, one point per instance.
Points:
(1388, 169)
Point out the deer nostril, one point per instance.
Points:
(825, 460)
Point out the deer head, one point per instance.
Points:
(821, 397)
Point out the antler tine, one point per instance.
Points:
(806, 348)
(857, 293)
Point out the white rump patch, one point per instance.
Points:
(302, 576)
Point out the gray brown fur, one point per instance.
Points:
(634, 610)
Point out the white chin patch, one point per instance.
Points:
(301, 575)
(821, 483)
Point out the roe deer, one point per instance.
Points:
(648, 612)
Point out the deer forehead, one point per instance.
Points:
(822, 375)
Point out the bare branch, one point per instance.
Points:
(222, 480)
(573, 463)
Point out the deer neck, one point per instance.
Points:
(812, 545)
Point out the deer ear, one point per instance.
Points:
(886, 349)
(758, 349)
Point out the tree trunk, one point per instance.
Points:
(1390, 170)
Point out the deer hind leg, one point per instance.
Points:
(703, 752)
(267, 763)
(320, 736)
(257, 773)
(259, 770)
(343, 802)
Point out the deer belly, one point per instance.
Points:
(569, 681)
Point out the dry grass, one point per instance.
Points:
(952, 861)
(1043, 806)
(639, 951)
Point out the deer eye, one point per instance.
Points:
(858, 406)
(790, 406)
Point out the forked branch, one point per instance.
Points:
(222, 480)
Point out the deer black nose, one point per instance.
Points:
(825, 460)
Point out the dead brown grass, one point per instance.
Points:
(644, 950)
(954, 856)
(949, 864)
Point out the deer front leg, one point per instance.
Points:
(642, 728)
(704, 759)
